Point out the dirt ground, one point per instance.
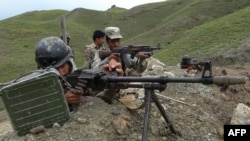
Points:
(197, 111)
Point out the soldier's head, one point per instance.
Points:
(53, 52)
(113, 37)
(186, 61)
(99, 38)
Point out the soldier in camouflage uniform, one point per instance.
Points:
(90, 50)
(92, 60)
(139, 63)
(113, 39)
(53, 52)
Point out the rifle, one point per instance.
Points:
(98, 80)
(199, 65)
(130, 49)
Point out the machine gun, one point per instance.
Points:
(192, 64)
(97, 80)
(132, 50)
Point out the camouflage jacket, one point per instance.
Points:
(137, 67)
(90, 54)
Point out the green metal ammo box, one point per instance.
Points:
(35, 99)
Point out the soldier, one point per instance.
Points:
(113, 39)
(191, 65)
(90, 50)
(139, 63)
(53, 52)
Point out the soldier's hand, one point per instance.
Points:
(142, 56)
(112, 66)
(73, 98)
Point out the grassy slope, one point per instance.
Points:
(179, 25)
(210, 38)
(18, 38)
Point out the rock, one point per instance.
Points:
(56, 125)
(122, 125)
(81, 120)
(225, 97)
(38, 129)
(221, 132)
(241, 115)
(169, 74)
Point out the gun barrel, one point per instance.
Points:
(221, 80)
(229, 80)
(159, 79)
(98, 80)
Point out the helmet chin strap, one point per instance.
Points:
(70, 66)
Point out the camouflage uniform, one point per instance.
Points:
(91, 55)
(137, 67)
(95, 62)
(91, 61)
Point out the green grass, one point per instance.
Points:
(1, 108)
(199, 28)
(211, 37)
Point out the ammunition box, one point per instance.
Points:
(36, 99)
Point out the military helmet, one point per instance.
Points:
(52, 52)
(186, 59)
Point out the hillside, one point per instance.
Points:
(199, 28)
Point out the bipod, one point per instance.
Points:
(150, 95)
